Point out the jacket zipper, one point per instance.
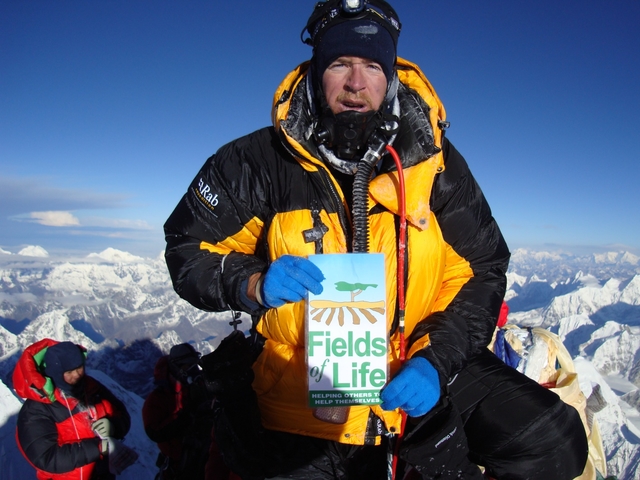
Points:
(327, 185)
(334, 196)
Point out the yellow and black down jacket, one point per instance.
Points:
(268, 194)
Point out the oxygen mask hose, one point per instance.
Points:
(360, 209)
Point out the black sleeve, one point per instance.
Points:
(467, 324)
(38, 438)
(171, 430)
(229, 192)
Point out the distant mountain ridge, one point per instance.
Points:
(124, 310)
(555, 266)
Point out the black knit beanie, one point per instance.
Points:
(363, 38)
(370, 32)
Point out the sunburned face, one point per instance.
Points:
(354, 83)
(73, 376)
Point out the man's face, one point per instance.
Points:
(73, 376)
(354, 83)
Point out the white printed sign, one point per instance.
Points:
(347, 331)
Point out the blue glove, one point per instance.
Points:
(289, 279)
(415, 389)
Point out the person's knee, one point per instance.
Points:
(436, 446)
(553, 447)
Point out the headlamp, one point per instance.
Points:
(352, 6)
(330, 12)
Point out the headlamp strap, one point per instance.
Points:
(327, 12)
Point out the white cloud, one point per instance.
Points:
(116, 223)
(60, 218)
(19, 195)
(55, 219)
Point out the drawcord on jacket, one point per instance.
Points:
(402, 246)
(73, 422)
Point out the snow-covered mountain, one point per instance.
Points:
(121, 307)
(124, 310)
(593, 303)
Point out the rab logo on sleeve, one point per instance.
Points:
(204, 194)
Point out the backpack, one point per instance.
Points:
(541, 355)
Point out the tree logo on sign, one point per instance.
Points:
(329, 309)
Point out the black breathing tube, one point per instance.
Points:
(359, 210)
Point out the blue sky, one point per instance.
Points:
(109, 108)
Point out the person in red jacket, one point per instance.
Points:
(70, 425)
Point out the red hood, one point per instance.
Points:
(28, 380)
